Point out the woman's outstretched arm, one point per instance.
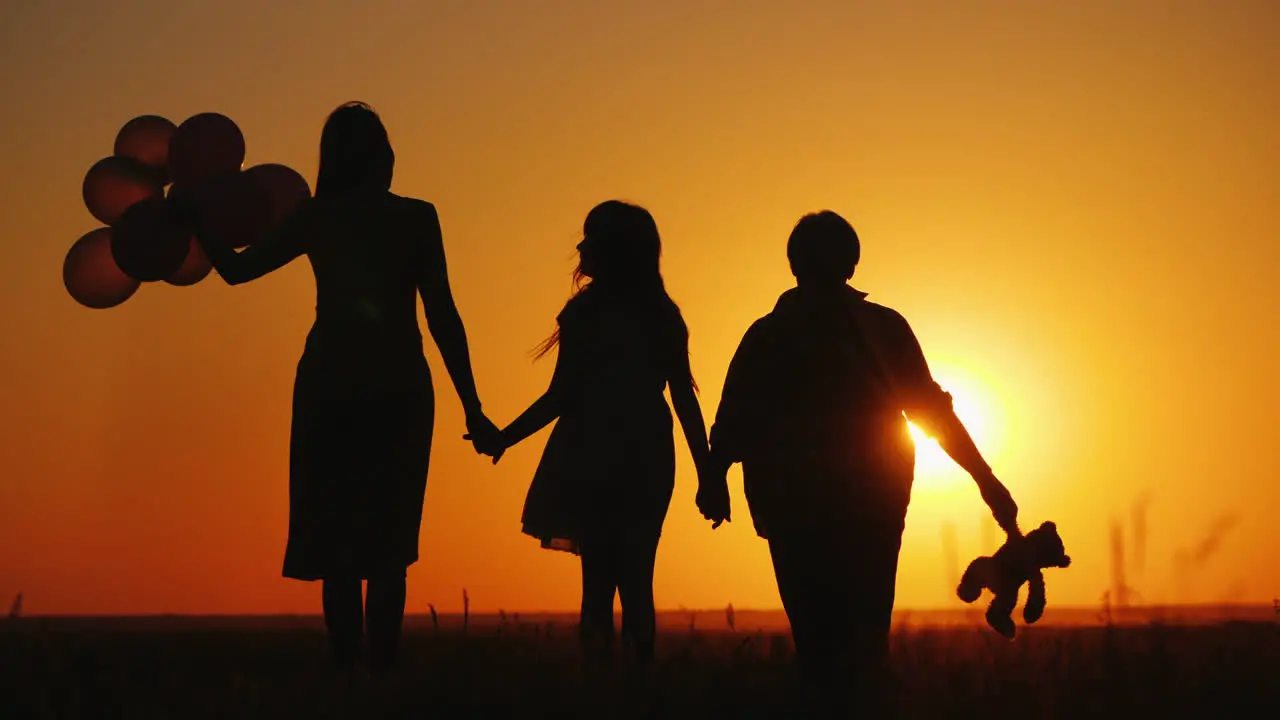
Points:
(281, 247)
(445, 325)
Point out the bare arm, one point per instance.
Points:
(546, 408)
(281, 247)
(539, 415)
(684, 399)
(712, 497)
(689, 411)
(443, 320)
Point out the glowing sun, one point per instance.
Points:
(935, 470)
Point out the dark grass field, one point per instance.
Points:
(63, 668)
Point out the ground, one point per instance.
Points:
(62, 669)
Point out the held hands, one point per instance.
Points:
(485, 437)
(713, 492)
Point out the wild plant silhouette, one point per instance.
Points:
(80, 668)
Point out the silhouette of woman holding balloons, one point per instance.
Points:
(363, 403)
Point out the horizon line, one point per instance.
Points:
(976, 607)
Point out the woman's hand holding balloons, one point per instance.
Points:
(149, 233)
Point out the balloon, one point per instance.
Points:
(233, 208)
(180, 195)
(115, 183)
(205, 145)
(186, 195)
(146, 139)
(91, 275)
(283, 185)
(147, 242)
(195, 268)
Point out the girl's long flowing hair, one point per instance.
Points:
(627, 252)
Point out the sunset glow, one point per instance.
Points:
(978, 408)
(1073, 204)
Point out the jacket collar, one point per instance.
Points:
(799, 299)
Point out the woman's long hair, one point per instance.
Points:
(626, 252)
(355, 151)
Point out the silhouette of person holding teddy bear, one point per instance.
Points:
(815, 407)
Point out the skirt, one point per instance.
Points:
(601, 478)
(360, 443)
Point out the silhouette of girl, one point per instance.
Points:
(363, 403)
(606, 477)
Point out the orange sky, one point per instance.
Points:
(1072, 203)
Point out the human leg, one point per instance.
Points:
(873, 561)
(343, 619)
(384, 616)
(797, 562)
(599, 583)
(836, 581)
(635, 587)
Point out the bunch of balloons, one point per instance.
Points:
(143, 239)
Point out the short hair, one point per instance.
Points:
(823, 249)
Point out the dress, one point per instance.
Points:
(609, 464)
(363, 405)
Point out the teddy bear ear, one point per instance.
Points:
(1048, 525)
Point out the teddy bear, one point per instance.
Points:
(1019, 560)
